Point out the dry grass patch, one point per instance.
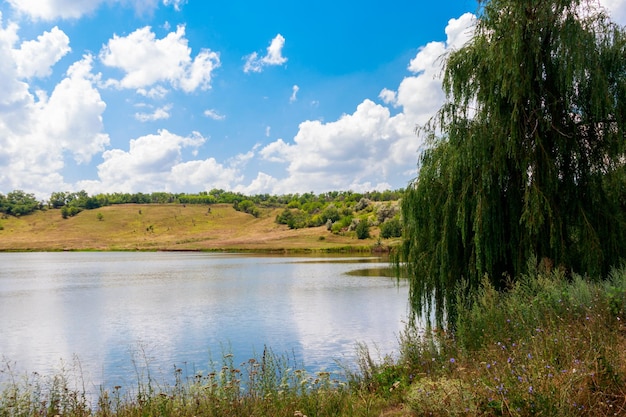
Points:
(166, 227)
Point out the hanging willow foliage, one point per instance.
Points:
(531, 160)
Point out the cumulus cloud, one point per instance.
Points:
(74, 9)
(388, 96)
(160, 113)
(360, 151)
(35, 58)
(148, 61)
(37, 130)
(261, 184)
(72, 116)
(274, 56)
(352, 152)
(53, 9)
(155, 162)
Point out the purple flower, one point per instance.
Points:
(530, 389)
(452, 360)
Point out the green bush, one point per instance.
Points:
(391, 228)
(69, 211)
(363, 230)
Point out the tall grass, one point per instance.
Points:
(270, 385)
(551, 345)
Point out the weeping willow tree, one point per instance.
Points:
(529, 161)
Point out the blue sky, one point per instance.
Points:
(188, 95)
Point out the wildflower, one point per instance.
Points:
(452, 360)
(530, 389)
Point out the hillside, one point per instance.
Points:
(169, 227)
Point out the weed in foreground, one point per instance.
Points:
(549, 346)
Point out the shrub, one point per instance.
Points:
(391, 228)
(363, 230)
(69, 211)
(247, 206)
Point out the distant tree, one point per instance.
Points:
(58, 199)
(533, 133)
(19, 203)
(331, 213)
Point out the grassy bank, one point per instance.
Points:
(170, 227)
(550, 346)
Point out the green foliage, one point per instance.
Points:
(294, 218)
(18, 203)
(391, 228)
(70, 211)
(247, 206)
(547, 346)
(342, 224)
(531, 156)
(362, 230)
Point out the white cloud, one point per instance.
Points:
(74, 9)
(356, 151)
(387, 96)
(274, 56)
(421, 95)
(617, 10)
(176, 3)
(155, 162)
(360, 151)
(53, 9)
(294, 93)
(160, 113)
(157, 92)
(147, 61)
(261, 184)
(72, 116)
(37, 131)
(242, 159)
(212, 114)
(35, 58)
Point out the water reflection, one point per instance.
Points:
(113, 310)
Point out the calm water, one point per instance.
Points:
(115, 311)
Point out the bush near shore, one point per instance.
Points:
(548, 346)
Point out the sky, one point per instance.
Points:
(258, 97)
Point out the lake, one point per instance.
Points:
(113, 314)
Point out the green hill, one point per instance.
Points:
(170, 227)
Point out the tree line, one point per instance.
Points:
(19, 203)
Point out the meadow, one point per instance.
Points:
(169, 227)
